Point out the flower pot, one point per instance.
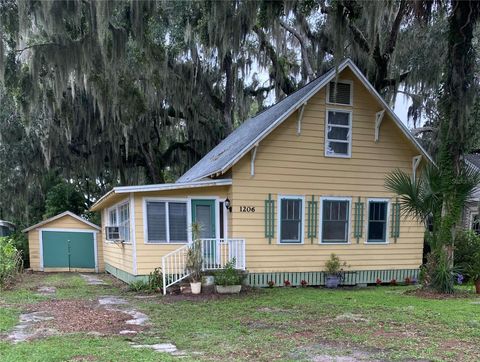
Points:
(196, 287)
(332, 281)
(477, 286)
(228, 289)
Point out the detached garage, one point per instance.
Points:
(65, 242)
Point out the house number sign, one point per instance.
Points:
(247, 208)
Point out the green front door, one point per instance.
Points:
(203, 213)
(68, 249)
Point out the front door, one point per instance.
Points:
(203, 213)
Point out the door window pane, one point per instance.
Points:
(204, 219)
(377, 221)
(335, 214)
(291, 221)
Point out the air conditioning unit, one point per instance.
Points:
(113, 233)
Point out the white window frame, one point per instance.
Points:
(344, 81)
(349, 223)
(279, 220)
(116, 209)
(375, 199)
(186, 201)
(349, 155)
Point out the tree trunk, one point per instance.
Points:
(229, 84)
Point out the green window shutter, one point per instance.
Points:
(395, 222)
(358, 220)
(269, 218)
(312, 219)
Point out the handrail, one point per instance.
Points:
(174, 266)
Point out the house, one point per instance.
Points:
(471, 216)
(6, 228)
(281, 193)
(65, 243)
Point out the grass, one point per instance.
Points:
(269, 324)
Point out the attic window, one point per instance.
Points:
(340, 93)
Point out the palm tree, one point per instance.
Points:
(425, 198)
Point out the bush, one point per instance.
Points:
(467, 243)
(20, 241)
(229, 275)
(334, 266)
(139, 286)
(155, 280)
(10, 263)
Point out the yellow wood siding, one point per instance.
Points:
(149, 256)
(291, 164)
(118, 255)
(65, 222)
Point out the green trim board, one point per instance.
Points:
(124, 275)
(358, 220)
(318, 278)
(312, 219)
(269, 218)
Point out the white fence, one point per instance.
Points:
(216, 253)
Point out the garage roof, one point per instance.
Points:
(56, 217)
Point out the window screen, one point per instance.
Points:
(377, 221)
(177, 220)
(291, 221)
(340, 93)
(335, 215)
(156, 222)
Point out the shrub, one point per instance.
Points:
(334, 266)
(304, 283)
(286, 283)
(271, 283)
(20, 241)
(139, 286)
(155, 280)
(378, 281)
(393, 282)
(10, 262)
(229, 275)
(466, 244)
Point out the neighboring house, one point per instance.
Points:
(471, 216)
(281, 193)
(6, 228)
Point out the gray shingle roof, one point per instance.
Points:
(252, 131)
(216, 160)
(474, 159)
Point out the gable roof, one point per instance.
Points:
(221, 158)
(59, 216)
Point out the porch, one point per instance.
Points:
(216, 253)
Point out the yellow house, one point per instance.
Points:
(299, 181)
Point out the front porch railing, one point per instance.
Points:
(216, 253)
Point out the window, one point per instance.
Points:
(335, 216)
(166, 222)
(338, 134)
(291, 219)
(475, 225)
(377, 221)
(340, 93)
(120, 216)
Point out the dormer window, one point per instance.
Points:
(340, 93)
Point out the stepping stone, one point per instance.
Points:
(139, 318)
(111, 301)
(126, 331)
(46, 291)
(160, 347)
(92, 280)
(26, 330)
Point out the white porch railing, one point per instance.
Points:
(174, 267)
(216, 253)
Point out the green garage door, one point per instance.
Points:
(68, 249)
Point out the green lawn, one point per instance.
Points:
(289, 324)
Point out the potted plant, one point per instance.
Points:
(229, 280)
(194, 261)
(333, 269)
(473, 271)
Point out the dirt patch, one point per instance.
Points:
(173, 298)
(72, 316)
(431, 294)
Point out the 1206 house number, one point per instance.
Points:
(247, 208)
